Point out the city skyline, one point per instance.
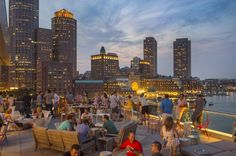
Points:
(121, 26)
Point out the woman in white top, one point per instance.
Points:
(169, 135)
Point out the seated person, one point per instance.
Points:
(67, 124)
(133, 147)
(156, 148)
(88, 116)
(75, 151)
(38, 113)
(83, 130)
(109, 125)
(7, 116)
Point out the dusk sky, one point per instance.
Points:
(121, 25)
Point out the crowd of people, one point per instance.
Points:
(114, 104)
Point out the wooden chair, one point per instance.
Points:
(40, 137)
(69, 138)
(154, 124)
(124, 132)
(55, 140)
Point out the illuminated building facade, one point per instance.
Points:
(150, 53)
(182, 58)
(90, 86)
(104, 66)
(172, 86)
(64, 39)
(23, 20)
(4, 47)
(43, 48)
(135, 65)
(124, 72)
(3, 24)
(145, 69)
(57, 77)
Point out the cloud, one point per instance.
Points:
(122, 25)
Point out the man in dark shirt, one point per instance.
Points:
(109, 125)
(156, 148)
(27, 104)
(75, 151)
(197, 114)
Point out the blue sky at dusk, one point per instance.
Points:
(121, 25)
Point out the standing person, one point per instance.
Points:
(27, 102)
(11, 100)
(39, 100)
(156, 148)
(166, 107)
(128, 107)
(114, 102)
(56, 99)
(169, 135)
(120, 98)
(97, 100)
(85, 100)
(143, 104)
(48, 100)
(105, 102)
(197, 114)
(1, 103)
(181, 106)
(69, 98)
(78, 99)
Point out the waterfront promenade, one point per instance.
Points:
(21, 143)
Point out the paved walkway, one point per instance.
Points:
(21, 143)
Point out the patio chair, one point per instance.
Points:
(40, 137)
(154, 124)
(55, 140)
(69, 138)
(123, 133)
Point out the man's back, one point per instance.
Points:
(199, 105)
(48, 98)
(110, 126)
(113, 101)
(166, 106)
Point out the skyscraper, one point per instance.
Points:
(135, 65)
(182, 58)
(43, 49)
(23, 20)
(3, 23)
(150, 53)
(104, 66)
(145, 69)
(4, 47)
(64, 27)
